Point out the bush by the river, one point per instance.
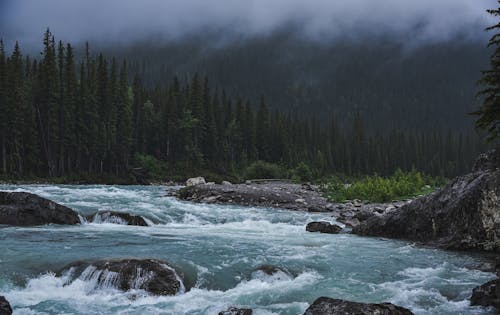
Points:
(376, 188)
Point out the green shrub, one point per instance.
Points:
(379, 189)
(264, 170)
(153, 166)
(302, 173)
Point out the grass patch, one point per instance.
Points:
(401, 185)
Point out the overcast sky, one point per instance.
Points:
(128, 20)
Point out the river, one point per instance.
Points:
(216, 249)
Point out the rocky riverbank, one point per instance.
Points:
(464, 215)
(286, 195)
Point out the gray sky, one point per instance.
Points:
(128, 20)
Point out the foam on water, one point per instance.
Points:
(217, 250)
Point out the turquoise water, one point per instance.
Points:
(216, 249)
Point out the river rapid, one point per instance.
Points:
(216, 250)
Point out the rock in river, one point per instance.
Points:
(465, 214)
(487, 294)
(25, 209)
(328, 306)
(151, 275)
(118, 218)
(323, 227)
(236, 311)
(5, 308)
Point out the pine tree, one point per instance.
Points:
(489, 113)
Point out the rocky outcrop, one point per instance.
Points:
(328, 306)
(5, 308)
(117, 218)
(236, 311)
(25, 209)
(465, 214)
(151, 275)
(323, 227)
(195, 181)
(487, 294)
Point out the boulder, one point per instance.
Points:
(151, 275)
(465, 214)
(323, 227)
(227, 183)
(5, 308)
(487, 294)
(118, 218)
(236, 311)
(328, 306)
(195, 181)
(25, 209)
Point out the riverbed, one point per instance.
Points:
(216, 250)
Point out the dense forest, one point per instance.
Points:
(395, 83)
(69, 116)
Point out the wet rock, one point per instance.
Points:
(328, 306)
(25, 209)
(236, 311)
(363, 215)
(323, 227)
(465, 214)
(151, 275)
(195, 181)
(118, 218)
(5, 308)
(262, 194)
(487, 294)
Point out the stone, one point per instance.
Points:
(323, 227)
(236, 311)
(151, 275)
(195, 181)
(25, 209)
(5, 308)
(226, 183)
(487, 294)
(118, 218)
(329, 306)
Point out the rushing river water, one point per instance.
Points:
(216, 249)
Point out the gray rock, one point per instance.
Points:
(487, 294)
(236, 311)
(227, 183)
(195, 181)
(5, 308)
(118, 218)
(25, 209)
(328, 306)
(323, 227)
(151, 275)
(465, 214)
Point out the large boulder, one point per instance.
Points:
(25, 209)
(5, 308)
(118, 218)
(487, 294)
(151, 275)
(323, 227)
(195, 181)
(465, 214)
(328, 306)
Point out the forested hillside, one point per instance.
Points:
(395, 83)
(64, 116)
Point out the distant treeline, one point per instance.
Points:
(61, 117)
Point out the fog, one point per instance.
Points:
(323, 20)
